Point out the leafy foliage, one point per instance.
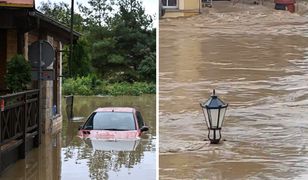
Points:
(97, 13)
(18, 74)
(127, 40)
(61, 12)
(118, 42)
(81, 64)
(90, 85)
(147, 67)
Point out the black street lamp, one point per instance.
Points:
(214, 111)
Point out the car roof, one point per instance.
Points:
(115, 109)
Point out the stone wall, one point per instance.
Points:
(51, 123)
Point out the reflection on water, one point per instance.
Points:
(256, 59)
(41, 163)
(108, 159)
(112, 145)
(77, 158)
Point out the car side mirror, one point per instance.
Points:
(144, 128)
(80, 127)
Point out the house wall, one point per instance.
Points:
(185, 8)
(189, 4)
(11, 44)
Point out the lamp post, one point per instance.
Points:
(214, 110)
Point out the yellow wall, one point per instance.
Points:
(185, 8)
(189, 4)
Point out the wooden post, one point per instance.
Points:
(72, 106)
(0, 139)
(22, 150)
(69, 106)
(71, 40)
(37, 139)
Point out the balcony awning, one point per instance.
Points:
(17, 3)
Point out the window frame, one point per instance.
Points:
(91, 118)
(171, 7)
(138, 114)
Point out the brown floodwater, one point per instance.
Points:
(257, 60)
(66, 156)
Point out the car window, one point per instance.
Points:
(111, 121)
(140, 119)
(89, 124)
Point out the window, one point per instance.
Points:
(170, 3)
(116, 121)
(140, 120)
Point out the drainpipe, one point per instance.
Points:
(199, 7)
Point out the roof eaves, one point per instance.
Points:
(40, 15)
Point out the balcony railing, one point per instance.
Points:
(19, 118)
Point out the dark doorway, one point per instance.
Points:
(2, 59)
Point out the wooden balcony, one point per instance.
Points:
(19, 125)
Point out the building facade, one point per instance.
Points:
(38, 108)
(177, 8)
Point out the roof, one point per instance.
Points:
(17, 3)
(21, 14)
(115, 109)
(52, 21)
(33, 20)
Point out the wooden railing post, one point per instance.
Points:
(24, 127)
(15, 127)
(37, 139)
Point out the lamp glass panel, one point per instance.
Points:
(211, 135)
(206, 117)
(217, 135)
(221, 116)
(214, 117)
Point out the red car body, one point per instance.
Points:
(114, 134)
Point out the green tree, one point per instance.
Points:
(124, 42)
(147, 67)
(81, 64)
(97, 13)
(18, 74)
(62, 12)
(118, 40)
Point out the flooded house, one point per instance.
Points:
(30, 117)
(178, 8)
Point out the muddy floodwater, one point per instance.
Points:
(257, 60)
(66, 156)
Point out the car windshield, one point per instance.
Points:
(117, 121)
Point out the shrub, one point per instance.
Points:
(90, 85)
(18, 74)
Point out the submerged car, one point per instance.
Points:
(113, 123)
